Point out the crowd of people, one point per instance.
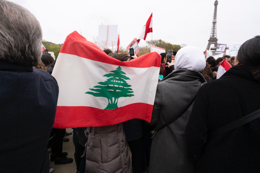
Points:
(200, 124)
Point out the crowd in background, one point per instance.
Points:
(192, 121)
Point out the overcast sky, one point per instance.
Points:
(174, 21)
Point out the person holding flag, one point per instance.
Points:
(118, 158)
(102, 92)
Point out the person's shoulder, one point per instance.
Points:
(44, 75)
(215, 85)
(162, 83)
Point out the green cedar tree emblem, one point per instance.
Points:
(113, 88)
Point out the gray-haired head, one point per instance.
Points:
(20, 35)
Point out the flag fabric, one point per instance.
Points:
(97, 90)
(43, 48)
(118, 43)
(223, 68)
(148, 27)
(221, 48)
(157, 49)
(134, 45)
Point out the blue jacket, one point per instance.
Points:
(28, 100)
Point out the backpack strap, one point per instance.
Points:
(235, 124)
(158, 128)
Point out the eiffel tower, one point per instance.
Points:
(213, 36)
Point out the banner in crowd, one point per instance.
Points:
(134, 45)
(223, 68)
(233, 49)
(157, 49)
(221, 48)
(107, 36)
(98, 90)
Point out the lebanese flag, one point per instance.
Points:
(118, 43)
(98, 90)
(134, 45)
(43, 48)
(223, 68)
(148, 27)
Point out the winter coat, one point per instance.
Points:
(168, 70)
(218, 103)
(133, 129)
(174, 93)
(28, 100)
(107, 150)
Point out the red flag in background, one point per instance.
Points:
(118, 43)
(43, 48)
(223, 68)
(146, 29)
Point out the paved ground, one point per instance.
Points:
(69, 148)
(66, 168)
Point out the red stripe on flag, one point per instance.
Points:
(79, 116)
(75, 44)
(226, 65)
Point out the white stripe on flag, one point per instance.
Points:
(221, 71)
(76, 69)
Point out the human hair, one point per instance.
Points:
(205, 73)
(174, 52)
(20, 35)
(41, 66)
(107, 51)
(219, 60)
(120, 57)
(47, 59)
(226, 56)
(163, 55)
(249, 55)
(211, 61)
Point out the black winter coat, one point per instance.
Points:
(234, 95)
(28, 100)
(133, 129)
